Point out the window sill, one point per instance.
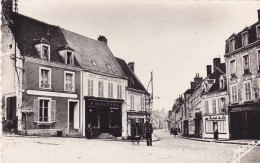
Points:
(248, 101)
(67, 91)
(234, 103)
(44, 123)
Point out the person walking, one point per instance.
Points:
(148, 130)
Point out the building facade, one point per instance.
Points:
(242, 59)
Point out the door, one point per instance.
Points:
(73, 115)
(104, 120)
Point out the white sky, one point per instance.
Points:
(175, 39)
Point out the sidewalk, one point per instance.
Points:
(226, 141)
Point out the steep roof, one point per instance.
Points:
(131, 75)
(30, 31)
(220, 70)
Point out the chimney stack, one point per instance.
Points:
(131, 65)
(102, 38)
(258, 11)
(216, 62)
(7, 8)
(209, 70)
(197, 80)
(192, 85)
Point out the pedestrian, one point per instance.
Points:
(135, 135)
(89, 131)
(216, 134)
(148, 130)
(175, 132)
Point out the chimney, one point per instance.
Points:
(197, 80)
(131, 65)
(209, 70)
(102, 38)
(216, 62)
(7, 7)
(258, 11)
(192, 85)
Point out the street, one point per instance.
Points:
(168, 149)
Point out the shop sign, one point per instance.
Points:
(102, 77)
(103, 103)
(52, 94)
(217, 117)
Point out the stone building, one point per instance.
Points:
(242, 57)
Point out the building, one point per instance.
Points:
(137, 100)
(58, 81)
(188, 118)
(214, 99)
(242, 57)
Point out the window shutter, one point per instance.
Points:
(36, 110)
(53, 110)
(49, 79)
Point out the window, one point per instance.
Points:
(221, 84)
(114, 117)
(223, 105)
(142, 103)
(70, 58)
(206, 106)
(132, 101)
(232, 44)
(101, 89)
(45, 55)
(232, 68)
(69, 83)
(90, 87)
(258, 32)
(246, 63)
(45, 78)
(119, 91)
(110, 90)
(214, 106)
(209, 126)
(258, 57)
(234, 94)
(248, 95)
(44, 110)
(219, 105)
(244, 38)
(221, 125)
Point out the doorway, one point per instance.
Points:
(104, 120)
(73, 117)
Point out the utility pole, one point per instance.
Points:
(152, 90)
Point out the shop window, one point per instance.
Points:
(119, 91)
(45, 78)
(221, 125)
(110, 90)
(101, 89)
(69, 83)
(44, 110)
(93, 117)
(208, 127)
(114, 117)
(90, 87)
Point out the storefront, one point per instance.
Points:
(104, 115)
(244, 121)
(213, 122)
(135, 121)
(198, 124)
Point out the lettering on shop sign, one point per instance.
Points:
(217, 117)
(101, 103)
(103, 77)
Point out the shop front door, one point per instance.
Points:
(104, 120)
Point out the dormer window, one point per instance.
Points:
(45, 53)
(69, 58)
(43, 48)
(244, 38)
(232, 44)
(258, 32)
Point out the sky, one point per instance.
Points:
(174, 39)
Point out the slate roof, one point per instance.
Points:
(131, 75)
(221, 70)
(30, 31)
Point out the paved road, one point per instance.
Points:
(71, 150)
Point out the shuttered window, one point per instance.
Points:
(101, 89)
(90, 87)
(44, 110)
(110, 90)
(119, 91)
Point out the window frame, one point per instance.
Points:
(246, 92)
(132, 102)
(243, 63)
(214, 107)
(244, 38)
(119, 91)
(73, 81)
(231, 44)
(100, 89)
(42, 51)
(49, 109)
(234, 94)
(206, 104)
(90, 87)
(72, 57)
(110, 90)
(40, 77)
(234, 67)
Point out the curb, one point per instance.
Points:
(215, 141)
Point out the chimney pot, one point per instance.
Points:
(131, 65)
(102, 38)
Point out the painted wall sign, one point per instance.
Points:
(52, 94)
(103, 77)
